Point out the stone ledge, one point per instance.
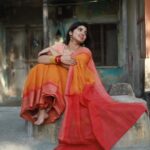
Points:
(139, 133)
(121, 89)
(128, 98)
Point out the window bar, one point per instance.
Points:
(102, 44)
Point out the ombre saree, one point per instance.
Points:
(92, 120)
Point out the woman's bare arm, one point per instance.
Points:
(44, 56)
(44, 59)
(45, 51)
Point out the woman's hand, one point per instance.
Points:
(68, 60)
(45, 51)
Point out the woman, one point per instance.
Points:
(65, 80)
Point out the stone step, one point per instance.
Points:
(14, 136)
(139, 133)
(13, 133)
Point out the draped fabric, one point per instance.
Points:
(44, 88)
(92, 120)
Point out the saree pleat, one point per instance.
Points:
(44, 88)
(92, 120)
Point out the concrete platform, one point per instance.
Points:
(13, 134)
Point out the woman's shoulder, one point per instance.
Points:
(86, 50)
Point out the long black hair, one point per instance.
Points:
(87, 42)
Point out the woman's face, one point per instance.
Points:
(79, 34)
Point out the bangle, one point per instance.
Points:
(58, 59)
(52, 59)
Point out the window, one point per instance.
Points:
(105, 46)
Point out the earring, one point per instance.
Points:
(70, 37)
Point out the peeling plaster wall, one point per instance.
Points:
(111, 75)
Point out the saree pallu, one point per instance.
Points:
(92, 120)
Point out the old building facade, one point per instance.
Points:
(117, 29)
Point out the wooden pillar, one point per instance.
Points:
(123, 52)
(45, 24)
(125, 29)
(147, 40)
(147, 27)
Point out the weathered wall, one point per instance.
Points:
(15, 43)
(3, 83)
(135, 61)
(23, 16)
(130, 64)
(111, 75)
